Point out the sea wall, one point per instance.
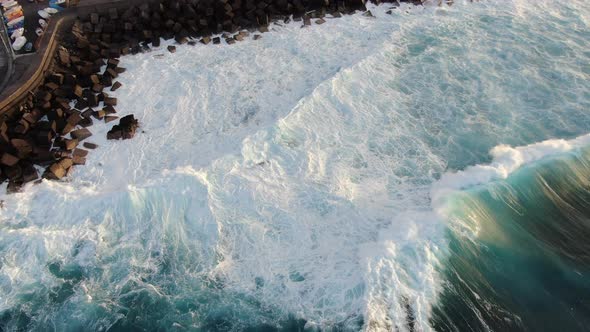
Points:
(15, 94)
(46, 118)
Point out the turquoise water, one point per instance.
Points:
(528, 267)
(425, 170)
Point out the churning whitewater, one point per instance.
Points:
(320, 178)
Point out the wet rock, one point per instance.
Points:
(95, 79)
(43, 137)
(22, 127)
(70, 144)
(97, 88)
(106, 80)
(64, 57)
(111, 73)
(182, 40)
(111, 118)
(110, 101)
(80, 152)
(55, 172)
(116, 86)
(30, 173)
(74, 118)
(13, 172)
(125, 129)
(81, 104)
(86, 122)
(57, 78)
(91, 99)
(78, 160)
(109, 109)
(115, 133)
(90, 146)
(8, 159)
(87, 113)
(99, 115)
(205, 40)
(52, 86)
(66, 163)
(81, 134)
(78, 91)
(23, 147)
(66, 128)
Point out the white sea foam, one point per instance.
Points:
(296, 170)
(506, 160)
(212, 173)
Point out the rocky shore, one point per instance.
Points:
(48, 134)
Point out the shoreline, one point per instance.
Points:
(48, 129)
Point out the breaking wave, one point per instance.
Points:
(319, 179)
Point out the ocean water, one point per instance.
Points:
(424, 170)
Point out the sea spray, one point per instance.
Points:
(519, 255)
(296, 192)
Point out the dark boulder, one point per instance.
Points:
(8, 159)
(125, 129)
(116, 86)
(81, 134)
(90, 146)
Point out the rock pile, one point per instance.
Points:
(137, 28)
(125, 129)
(46, 131)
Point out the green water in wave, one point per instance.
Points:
(520, 252)
(446, 86)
